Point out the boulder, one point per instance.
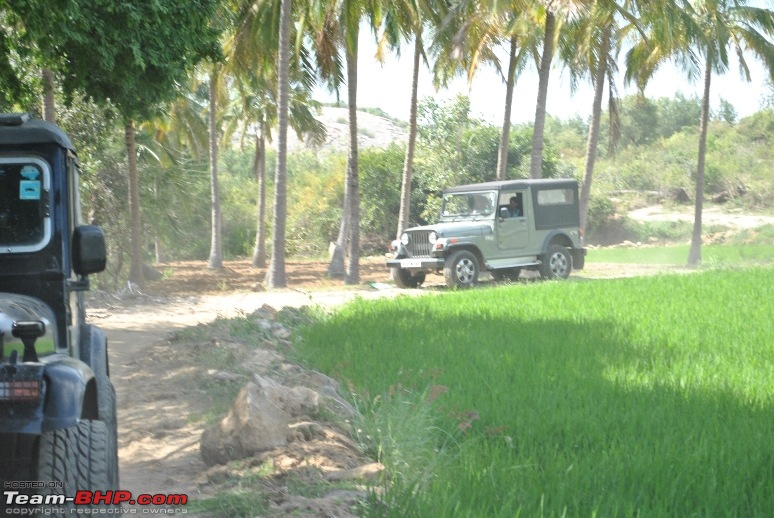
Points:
(679, 195)
(259, 420)
(255, 423)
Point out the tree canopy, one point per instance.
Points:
(133, 54)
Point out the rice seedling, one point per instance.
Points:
(648, 396)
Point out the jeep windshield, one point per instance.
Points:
(25, 225)
(469, 204)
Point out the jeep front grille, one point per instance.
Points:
(419, 244)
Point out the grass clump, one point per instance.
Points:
(237, 504)
(648, 396)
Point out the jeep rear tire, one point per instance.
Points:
(405, 279)
(461, 269)
(556, 263)
(77, 457)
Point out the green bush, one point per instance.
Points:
(601, 213)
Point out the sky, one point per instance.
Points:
(388, 86)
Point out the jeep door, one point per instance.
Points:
(513, 231)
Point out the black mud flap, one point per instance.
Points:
(578, 258)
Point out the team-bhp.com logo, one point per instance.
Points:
(111, 502)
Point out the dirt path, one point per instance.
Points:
(158, 445)
(712, 215)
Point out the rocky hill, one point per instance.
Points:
(373, 131)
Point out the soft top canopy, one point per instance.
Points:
(544, 183)
(20, 128)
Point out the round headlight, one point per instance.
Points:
(404, 238)
(433, 237)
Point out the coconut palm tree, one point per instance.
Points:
(251, 56)
(406, 20)
(550, 14)
(591, 47)
(275, 277)
(468, 38)
(175, 142)
(216, 240)
(701, 35)
(345, 17)
(523, 41)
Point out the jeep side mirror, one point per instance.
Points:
(503, 212)
(88, 250)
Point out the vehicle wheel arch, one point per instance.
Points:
(557, 238)
(71, 394)
(470, 248)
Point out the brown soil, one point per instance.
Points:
(185, 278)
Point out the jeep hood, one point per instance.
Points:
(458, 228)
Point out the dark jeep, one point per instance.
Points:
(502, 227)
(57, 404)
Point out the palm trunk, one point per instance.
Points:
(216, 249)
(536, 163)
(405, 189)
(259, 166)
(336, 267)
(694, 256)
(593, 139)
(158, 249)
(135, 266)
(502, 155)
(49, 109)
(158, 245)
(353, 248)
(275, 277)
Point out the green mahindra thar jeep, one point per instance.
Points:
(501, 227)
(57, 403)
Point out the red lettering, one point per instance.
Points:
(177, 499)
(82, 497)
(102, 498)
(121, 496)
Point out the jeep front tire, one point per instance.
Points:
(405, 279)
(461, 269)
(78, 457)
(556, 263)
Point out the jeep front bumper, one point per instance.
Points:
(417, 263)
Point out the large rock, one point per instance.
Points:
(255, 423)
(259, 420)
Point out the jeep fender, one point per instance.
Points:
(70, 394)
(557, 237)
(94, 353)
(471, 248)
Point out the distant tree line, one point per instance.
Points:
(160, 95)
